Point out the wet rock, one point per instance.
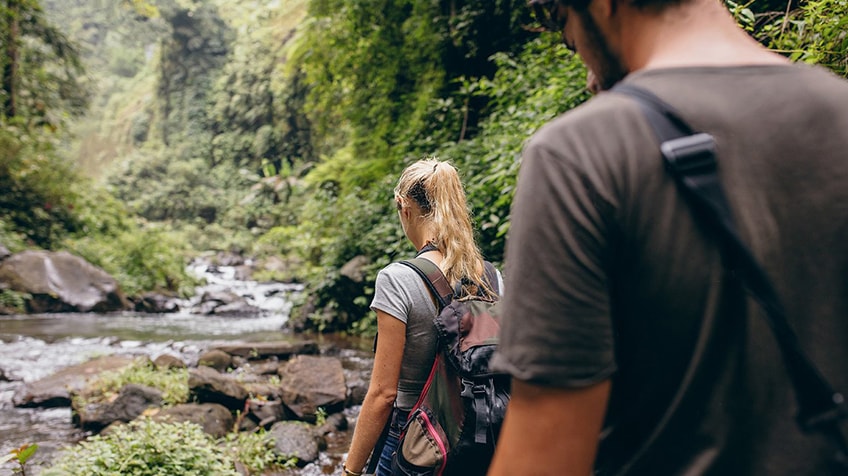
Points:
(207, 385)
(243, 273)
(61, 282)
(269, 367)
(265, 413)
(168, 361)
(217, 359)
(224, 303)
(215, 419)
(264, 350)
(55, 390)
(299, 440)
(309, 383)
(132, 401)
(334, 422)
(237, 309)
(266, 390)
(155, 303)
(357, 387)
(228, 258)
(210, 300)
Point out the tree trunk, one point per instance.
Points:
(10, 68)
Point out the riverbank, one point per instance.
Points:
(35, 347)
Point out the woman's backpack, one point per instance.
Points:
(453, 427)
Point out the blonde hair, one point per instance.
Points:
(435, 187)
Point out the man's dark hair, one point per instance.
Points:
(641, 4)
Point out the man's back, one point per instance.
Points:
(697, 387)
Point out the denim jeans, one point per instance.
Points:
(384, 465)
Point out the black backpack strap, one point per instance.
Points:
(690, 158)
(434, 278)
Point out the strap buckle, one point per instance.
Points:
(690, 155)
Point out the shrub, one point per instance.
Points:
(145, 448)
(172, 382)
(142, 258)
(256, 452)
(13, 300)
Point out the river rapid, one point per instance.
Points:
(35, 346)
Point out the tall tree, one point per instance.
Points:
(11, 11)
(37, 59)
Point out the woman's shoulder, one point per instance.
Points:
(398, 273)
(397, 269)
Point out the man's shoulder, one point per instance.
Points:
(596, 113)
(600, 130)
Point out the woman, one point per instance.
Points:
(434, 217)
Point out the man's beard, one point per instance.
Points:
(609, 68)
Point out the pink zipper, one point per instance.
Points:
(439, 441)
(426, 386)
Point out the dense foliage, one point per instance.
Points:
(278, 128)
(46, 202)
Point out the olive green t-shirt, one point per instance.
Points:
(610, 277)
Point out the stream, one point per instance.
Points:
(35, 346)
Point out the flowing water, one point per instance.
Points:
(35, 346)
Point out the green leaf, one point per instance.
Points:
(26, 452)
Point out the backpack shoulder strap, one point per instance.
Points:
(491, 275)
(434, 278)
(690, 158)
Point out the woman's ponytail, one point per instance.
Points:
(436, 188)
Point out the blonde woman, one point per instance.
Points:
(434, 216)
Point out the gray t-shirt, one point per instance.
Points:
(611, 277)
(400, 292)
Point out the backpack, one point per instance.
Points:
(453, 427)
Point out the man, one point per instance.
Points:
(632, 350)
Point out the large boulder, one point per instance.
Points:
(56, 390)
(61, 282)
(132, 401)
(309, 383)
(207, 385)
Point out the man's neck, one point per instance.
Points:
(695, 33)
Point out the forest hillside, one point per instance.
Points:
(138, 133)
